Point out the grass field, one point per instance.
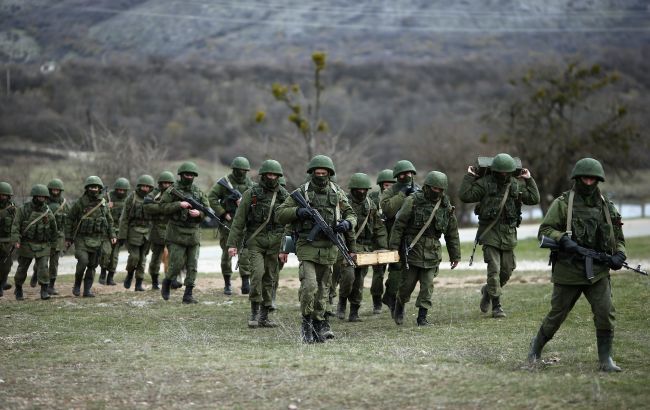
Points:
(128, 350)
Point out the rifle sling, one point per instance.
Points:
(86, 215)
(494, 222)
(365, 221)
(41, 216)
(268, 218)
(426, 225)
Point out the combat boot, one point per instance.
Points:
(102, 276)
(33, 281)
(485, 300)
(187, 296)
(51, 289)
(164, 292)
(354, 313)
(76, 288)
(109, 278)
(138, 285)
(245, 285)
(253, 321)
(44, 294)
(88, 284)
(128, 279)
(264, 318)
(307, 330)
(5, 285)
(536, 346)
(604, 339)
(497, 311)
(340, 309)
(399, 313)
(376, 305)
(19, 293)
(227, 290)
(422, 317)
(154, 282)
(318, 335)
(175, 284)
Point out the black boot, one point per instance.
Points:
(51, 289)
(176, 284)
(166, 285)
(325, 331)
(187, 296)
(340, 310)
(264, 318)
(154, 282)
(44, 294)
(76, 288)
(88, 284)
(245, 285)
(389, 300)
(307, 330)
(422, 317)
(318, 335)
(138, 285)
(376, 304)
(19, 293)
(604, 339)
(497, 311)
(128, 279)
(5, 285)
(33, 281)
(354, 313)
(227, 289)
(109, 278)
(253, 321)
(536, 346)
(102, 276)
(485, 299)
(399, 313)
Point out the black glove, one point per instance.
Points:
(121, 242)
(616, 260)
(303, 213)
(343, 226)
(568, 245)
(408, 190)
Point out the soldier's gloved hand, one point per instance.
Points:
(616, 260)
(303, 213)
(408, 190)
(121, 242)
(343, 226)
(568, 245)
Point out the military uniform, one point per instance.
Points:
(425, 256)
(223, 203)
(34, 228)
(595, 224)
(60, 209)
(316, 257)
(255, 216)
(158, 225)
(7, 214)
(89, 224)
(111, 252)
(134, 229)
(500, 240)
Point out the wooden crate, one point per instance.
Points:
(376, 258)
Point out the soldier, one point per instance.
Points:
(224, 198)
(134, 229)
(60, 209)
(89, 224)
(183, 235)
(7, 213)
(34, 233)
(254, 225)
(583, 217)
(391, 201)
(283, 257)
(420, 222)
(370, 234)
(158, 226)
(317, 257)
(500, 195)
(384, 180)
(110, 252)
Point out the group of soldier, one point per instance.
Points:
(259, 221)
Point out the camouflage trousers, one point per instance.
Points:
(377, 285)
(5, 265)
(87, 261)
(265, 273)
(110, 256)
(41, 270)
(314, 286)
(351, 283)
(157, 251)
(183, 256)
(393, 279)
(137, 258)
(500, 265)
(226, 260)
(410, 277)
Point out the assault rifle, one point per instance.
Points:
(321, 226)
(209, 212)
(235, 195)
(589, 254)
(10, 254)
(405, 248)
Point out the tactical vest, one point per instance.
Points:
(59, 215)
(137, 216)
(260, 208)
(7, 213)
(95, 224)
(589, 224)
(362, 209)
(421, 212)
(183, 217)
(326, 203)
(488, 209)
(38, 232)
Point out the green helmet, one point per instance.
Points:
(436, 179)
(360, 181)
(40, 190)
(503, 163)
(282, 181)
(56, 183)
(5, 189)
(188, 167)
(403, 166)
(240, 163)
(94, 180)
(145, 180)
(385, 176)
(122, 183)
(271, 166)
(166, 176)
(321, 161)
(588, 167)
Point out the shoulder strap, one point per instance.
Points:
(41, 216)
(501, 205)
(365, 221)
(426, 225)
(268, 218)
(65, 201)
(569, 213)
(86, 215)
(608, 217)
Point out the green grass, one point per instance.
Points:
(128, 350)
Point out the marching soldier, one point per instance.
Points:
(7, 214)
(60, 209)
(158, 226)
(384, 180)
(110, 252)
